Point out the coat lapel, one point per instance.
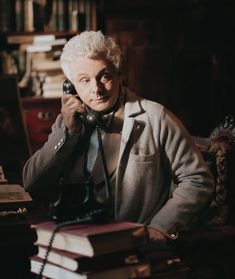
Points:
(131, 127)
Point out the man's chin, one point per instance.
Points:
(102, 108)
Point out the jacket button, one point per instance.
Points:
(173, 235)
(55, 147)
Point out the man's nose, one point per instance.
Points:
(96, 87)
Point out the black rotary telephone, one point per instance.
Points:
(77, 202)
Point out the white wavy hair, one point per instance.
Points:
(91, 44)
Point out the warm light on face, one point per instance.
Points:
(96, 81)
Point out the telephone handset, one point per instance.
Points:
(91, 117)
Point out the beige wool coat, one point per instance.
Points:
(155, 150)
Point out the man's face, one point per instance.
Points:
(96, 82)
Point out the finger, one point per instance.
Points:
(70, 101)
(74, 102)
(65, 98)
(81, 108)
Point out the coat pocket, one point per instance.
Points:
(143, 158)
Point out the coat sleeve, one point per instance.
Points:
(195, 183)
(43, 170)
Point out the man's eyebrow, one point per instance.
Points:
(98, 74)
(82, 74)
(104, 70)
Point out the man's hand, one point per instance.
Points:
(70, 106)
(157, 236)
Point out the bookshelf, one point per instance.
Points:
(32, 35)
(22, 20)
(47, 15)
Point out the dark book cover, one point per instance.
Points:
(78, 262)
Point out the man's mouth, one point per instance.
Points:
(101, 99)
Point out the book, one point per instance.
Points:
(38, 48)
(46, 65)
(20, 39)
(42, 39)
(7, 21)
(81, 16)
(138, 270)
(52, 93)
(13, 196)
(28, 16)
(73, 12)
(55, 42)
(19, 15)
(93, 239)
(52, 85)
(78, 262)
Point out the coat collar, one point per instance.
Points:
(131, 126)
(132, 103)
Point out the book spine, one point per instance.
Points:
(52, 24)
(7, 16)
(19, 15)
(66, 15)
(81, 16)
(73, 13)
(38, 15)
(88, 14)
(28, 12)
(93, 15)
(60, 19)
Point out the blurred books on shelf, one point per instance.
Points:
(21, 21)
(43, 70)
(45, 43)
(43, 15)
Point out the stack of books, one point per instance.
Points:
(90, 251)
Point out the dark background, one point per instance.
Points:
(178, 52)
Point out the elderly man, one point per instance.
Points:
(146, 147)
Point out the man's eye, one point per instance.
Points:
(84, 80)
(105, 77)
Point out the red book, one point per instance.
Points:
(93, 239)
(77, 262)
